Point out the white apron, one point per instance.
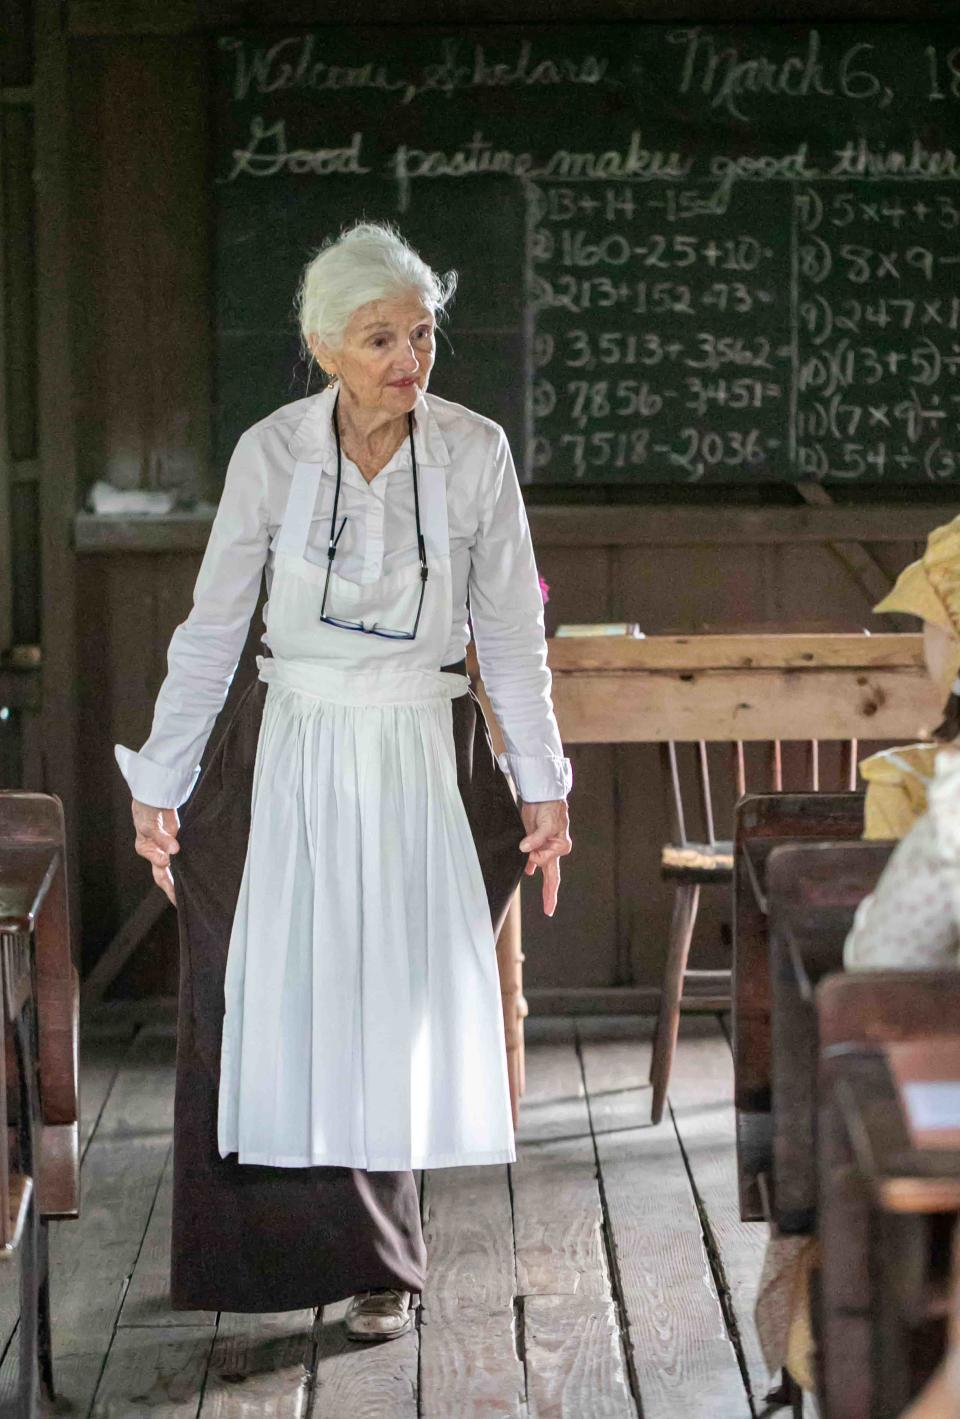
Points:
(363, 1025)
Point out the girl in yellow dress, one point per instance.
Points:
(898, 779)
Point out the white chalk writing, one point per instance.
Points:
(728, 76)
(294, 63)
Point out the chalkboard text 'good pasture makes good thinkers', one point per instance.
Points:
(688, 254)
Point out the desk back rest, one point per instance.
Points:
(828, 816)
(806, 881)
(813, 890)
(877, 1007)
(37, 819)
(773, 819)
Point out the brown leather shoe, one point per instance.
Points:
(378, 1314)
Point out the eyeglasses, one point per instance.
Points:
(338, 621)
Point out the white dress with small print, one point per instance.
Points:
(911, 920)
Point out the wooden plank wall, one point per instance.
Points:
(141, 308)
(610, 929)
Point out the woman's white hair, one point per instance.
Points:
(369, 261)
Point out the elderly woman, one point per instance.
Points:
(344, 863)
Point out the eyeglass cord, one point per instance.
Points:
(334, 539)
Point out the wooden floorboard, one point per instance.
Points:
(152, 1370)
(701, 1102)
(261, 1364)
(147, 1299)
(572, 1348)
(574, 1284)
(356, 1379)
(470, 1363)
(92, 1258)
(682, 1353)
(558, 1217)
(101, 1058)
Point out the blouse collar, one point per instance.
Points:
(312, 441)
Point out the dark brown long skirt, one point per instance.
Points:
(249, 1237)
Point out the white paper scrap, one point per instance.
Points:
(933, 1104)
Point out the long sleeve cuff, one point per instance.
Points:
(153, 783)
(539, 777)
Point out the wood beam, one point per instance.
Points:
(592, 525)
(57, 452)
(175, 17)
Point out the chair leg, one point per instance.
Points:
(29, 1312)
(787, 1394)
(24, 1035)
(685, 905)
(676, 963)
(44, 1331)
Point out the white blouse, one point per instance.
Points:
(492, 563)
(911, 921)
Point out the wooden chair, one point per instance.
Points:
(39, 1156)
(692, 862)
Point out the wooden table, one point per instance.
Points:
(725, 688)
(720, 688)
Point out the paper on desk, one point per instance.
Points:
(933, 1104)
(105, 498)
(927, 1075)
(601, 628)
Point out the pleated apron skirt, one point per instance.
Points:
(326, 1203)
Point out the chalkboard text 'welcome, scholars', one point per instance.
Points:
(293, 63)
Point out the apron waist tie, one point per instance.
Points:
(373, 685)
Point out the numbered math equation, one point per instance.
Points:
(748, 332)
(877, 390)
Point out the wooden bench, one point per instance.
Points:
(764, 822)
(886, 1205)
(39, 1156)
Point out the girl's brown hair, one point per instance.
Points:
(949, 729)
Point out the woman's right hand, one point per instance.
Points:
(157, 830)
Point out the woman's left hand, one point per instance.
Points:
(547, 840)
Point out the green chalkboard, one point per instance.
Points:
(687, 254)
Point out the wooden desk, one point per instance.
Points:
(39, 1161)
(726, 688)
(814, 890)
(765, 822)
(887, 1213)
